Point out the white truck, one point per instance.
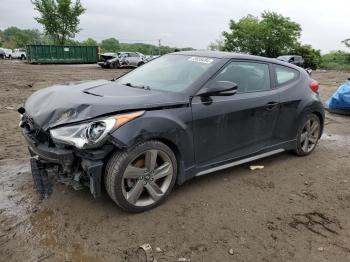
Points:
(8, 52)
(19, 53)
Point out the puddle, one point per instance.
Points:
(14, 176)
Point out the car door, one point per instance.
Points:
(287, 81)
(133, 59)
(227, 127)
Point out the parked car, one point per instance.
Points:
(293, 59)
(151, 57)
(122, 59)
(8, 52)
(179, 116)
(2, 54)
(19, 53)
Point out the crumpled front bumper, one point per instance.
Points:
(48, 161)
(64, 157)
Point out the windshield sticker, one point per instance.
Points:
(204, 60)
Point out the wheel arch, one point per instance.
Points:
(315, 108)
(321, 118)
(163, 127)
(179, 159)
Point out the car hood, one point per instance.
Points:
(63, 104)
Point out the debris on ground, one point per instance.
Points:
(145, 253)
(183, 259)
(231, 252)
(256, 167)
(339, 102)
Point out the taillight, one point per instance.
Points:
(314, 86)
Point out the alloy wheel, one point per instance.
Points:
(309, 135)
(147, 178)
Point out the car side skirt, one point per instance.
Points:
(239, 162)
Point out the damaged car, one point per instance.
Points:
(122, 59)
(179, 116)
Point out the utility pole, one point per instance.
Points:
(159, 45)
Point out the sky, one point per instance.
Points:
(191, 23)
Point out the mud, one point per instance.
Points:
(295, 209)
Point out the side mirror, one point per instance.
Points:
(219, 88)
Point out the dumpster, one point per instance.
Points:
(53, 54)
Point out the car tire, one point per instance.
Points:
(140, 64)
(115, 65)
(23, 57)
(142, 177)
(308, 134)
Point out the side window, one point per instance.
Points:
(285, 74)
(249, 76)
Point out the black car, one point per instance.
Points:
(293, 59)
(2, 54)
(179, 116)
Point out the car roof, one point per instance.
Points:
(229, 55)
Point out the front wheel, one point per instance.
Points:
(141, 178)
(115, 65)
(308, 134)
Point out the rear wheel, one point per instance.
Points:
(308, 134)
(140, 63)
(141, 178)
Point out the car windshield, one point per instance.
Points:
(173, 73)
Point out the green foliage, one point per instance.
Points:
(270, 36)
(113, 45)
(89, 41)
(60, 18)
(312, 57)
(13, 37)
(148, 49)
(337, 60)
(110, 45)
(217, 45)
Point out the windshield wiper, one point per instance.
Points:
(135, 86)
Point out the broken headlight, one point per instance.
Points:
(90, 134)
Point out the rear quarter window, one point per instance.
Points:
(285, 74)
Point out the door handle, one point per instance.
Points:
(271, 105)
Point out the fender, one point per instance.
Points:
(315, 107)
(172, 126)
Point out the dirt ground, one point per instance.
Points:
(295, 209)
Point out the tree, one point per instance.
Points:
(217, 45)
(60, 18)
(89, 41)
(337, 60)
(346, 42)
(270, 36)
(13, 37)
(110, 45)
(312, 57)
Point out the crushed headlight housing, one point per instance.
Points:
(90, 134)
